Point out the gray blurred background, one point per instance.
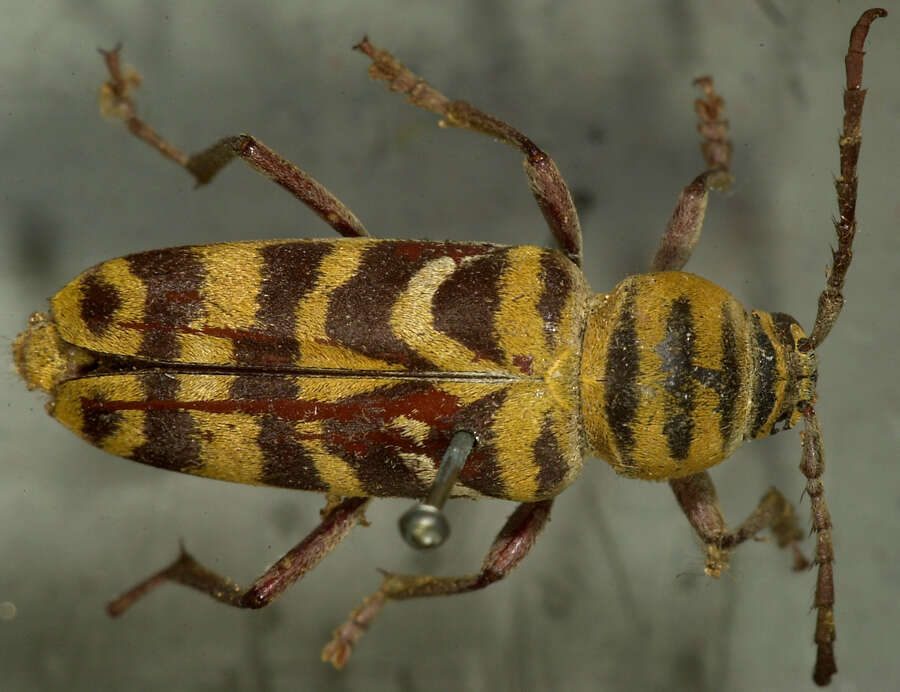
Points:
(613, 597)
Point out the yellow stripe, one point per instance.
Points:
(232, 278)
(333, 470)
(227, 441)
(228, 446)
(517, 426)
(412, 320)
(519, 325)
(129, 433)
(334, 389)
(743, 351)
(204, 387)
(117, 339)
(653, 301)
(707, 445)
(469, 391)
(415, 430)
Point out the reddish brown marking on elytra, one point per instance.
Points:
(459, 251)
(258, 348)
(382, 404)
(408, 251)
(236, 335)
(98, 303)
(524, 363)
(375, 449)
(360, 429)
(169, 433)
(186, 297)
(218, 332)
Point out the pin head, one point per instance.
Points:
(424, 526)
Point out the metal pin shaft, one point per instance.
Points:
(424, 525)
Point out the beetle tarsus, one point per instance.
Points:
(345, 637)
(686, 223)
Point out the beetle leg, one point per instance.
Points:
(716, 146)
(275, 580)
(512, 544)
(116, 101)
(547, 184)
(697, 496)
(831, 300)
(686, 222)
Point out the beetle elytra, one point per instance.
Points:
(346, 366)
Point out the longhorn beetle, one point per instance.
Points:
(347, 366)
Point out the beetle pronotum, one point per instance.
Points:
(346, 366)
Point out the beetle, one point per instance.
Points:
(347, 366)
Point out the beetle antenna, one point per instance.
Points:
(813, 466)
(831, 299)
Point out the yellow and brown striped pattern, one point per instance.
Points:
(676, 374)
(345, 366)
(333, 365)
